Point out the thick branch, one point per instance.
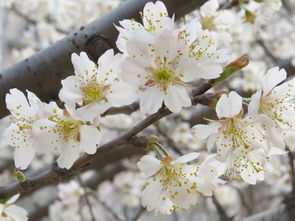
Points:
(43, 72)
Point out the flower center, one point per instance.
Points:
(163, 77)
(238, 136)
(208, 23)
(94, 93)
(67, 127)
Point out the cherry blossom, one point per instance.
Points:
(240, 142)
(174, 184)
(11, 212)
(95, 88)
(155, 20)
(25, 113)
(68, 136)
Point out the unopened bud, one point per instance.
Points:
(20, 176)
(233, 67)
(153, 139)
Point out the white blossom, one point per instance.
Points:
(25, 113)
(70, 192)
(155, 20)
(241, 143)
(11, 212)
(95, 88)
(175, 184)
(274, 105)
(215, 19)
(68, 136)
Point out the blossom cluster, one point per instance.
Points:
(157, 66)
(245, 143)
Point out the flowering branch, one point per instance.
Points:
(41, 72)
(55, 174)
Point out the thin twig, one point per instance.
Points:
(170, 141)
(115, 215)
(221, 211)
(86, 197)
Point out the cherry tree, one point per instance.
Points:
(175, 109)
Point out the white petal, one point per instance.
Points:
(17, 213)
(132, 73)
(209, 71)
(90, 111)
(207, 179)
(17, 104)
(44, 139)
(254, 104)
(176, 98)
(23, 156)
(151, 195)
(122, 94)
(273, 77)
(151, 100)
(202, 131)
(273, 132)
(149, 165)
(108, 66)
(186, 158)
(211, 141)
(84, 67)
(155, 16)
(276, 151)
(224, 146)
(35, 104)
(90, 138)
(286, 90)
(209, 8)
(229, 106)
(18, 135)
(69, 154)
(165, 205)
(168, 46)
(71, 92)
(12, 199)
(183, 198)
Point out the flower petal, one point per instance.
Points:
(229, 106)
(23, 156)
(17, 213)
(151, 100)
(273, 77)
(151, 195)
(203, 131)
(17, 104)
(71, 92)
(149, 165)
(90, 138)
(254, 104)
(69, 154)
(177, 98)
(122, 94)
(209, 71)
(186, 158)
